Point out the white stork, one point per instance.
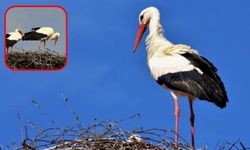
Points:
(179, 68)
(12, 38)
(41, 34)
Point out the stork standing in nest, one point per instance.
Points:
(41, 34)
(12, 38)
(179, 68)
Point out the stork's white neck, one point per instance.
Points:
(155, 40)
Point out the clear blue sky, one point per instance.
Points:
(105, 80)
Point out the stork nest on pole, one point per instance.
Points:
(45, 59)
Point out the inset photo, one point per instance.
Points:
(36, 38)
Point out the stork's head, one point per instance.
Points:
(144, 19)
(19, 31)
(55, 37)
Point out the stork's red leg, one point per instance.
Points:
(192, 120)
(177, 115)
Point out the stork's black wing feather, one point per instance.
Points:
(10, 43)
(205, 86)
(33, 36)
(7, 35)
(200, 62)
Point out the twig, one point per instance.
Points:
(21, 125)
(36, 104)
(242, 145)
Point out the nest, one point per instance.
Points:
(105, 135)
(45, 59)
(102, 135)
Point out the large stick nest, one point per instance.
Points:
(105, 135)
(45, 59)
(102, 135)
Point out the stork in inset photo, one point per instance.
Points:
(179, 68)
(12, 38)
(41, 34)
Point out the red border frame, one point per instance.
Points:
(36, 6)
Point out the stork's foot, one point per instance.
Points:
(175, 146)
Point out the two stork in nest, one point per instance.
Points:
(41, 34)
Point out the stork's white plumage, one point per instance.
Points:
(42, 34)
(179, 68)
(12, 38)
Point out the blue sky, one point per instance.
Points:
(105, 80)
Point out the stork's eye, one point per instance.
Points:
(141, 18)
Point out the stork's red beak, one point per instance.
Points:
(141, 30)
(55, 41)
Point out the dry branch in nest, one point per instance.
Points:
(45, 59)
